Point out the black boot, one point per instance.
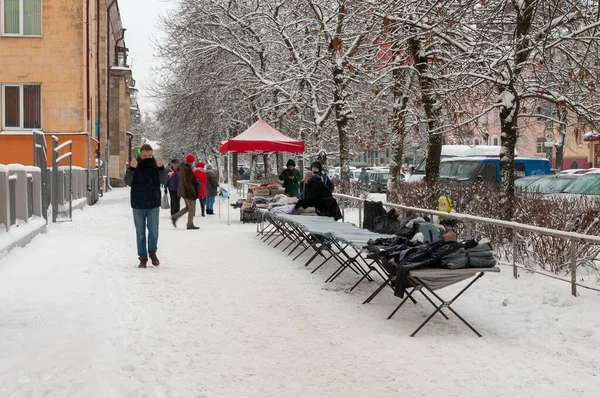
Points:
(203, 208)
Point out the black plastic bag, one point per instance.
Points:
(372, 211)
(387, 224)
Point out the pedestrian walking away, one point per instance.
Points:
(200, 175)
(291, 177)
(145, 175)
(212, 187)
(188, 190)
(173, 185)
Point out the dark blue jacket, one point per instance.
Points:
(173, 182)
(145, 181)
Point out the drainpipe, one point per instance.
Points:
(98, 90)
(108, 10)
(88, 94)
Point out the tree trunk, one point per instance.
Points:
(508, 126)
(234, 160)
(279, 162)
(266, 165)
(341, 120)
(399, 122)
(562, 132)
(253, 159)
(432, 112)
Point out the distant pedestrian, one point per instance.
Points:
(212, 187)
(200, 175)
(574, 164)
(173, 185)
(363, 177)
(317, 168)
(188, 190)
(145, 175)
(291, 177)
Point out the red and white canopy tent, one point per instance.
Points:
(259, 138)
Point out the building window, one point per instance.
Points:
(476, 141)
(495, 141)
(540, 145)
(21, 17)
(21, 106)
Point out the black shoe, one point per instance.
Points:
(193, 227)
(143, 262)
(174, 221)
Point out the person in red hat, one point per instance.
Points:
(200, 175)
(188, 190)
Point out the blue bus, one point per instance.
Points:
(488, 169)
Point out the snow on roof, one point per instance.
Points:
(591, 135)
(479, 158)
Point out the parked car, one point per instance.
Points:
(378, 180)
(488, 169)
(551, 184)
(524, 182)
(586, 184)
(577, 171)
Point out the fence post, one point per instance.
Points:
(514, 253)
(573, 269)
(21, 199)
(4, 198)
(55, 186)
(343, 210)
(71, 182)
(36, 173)
(361, 206)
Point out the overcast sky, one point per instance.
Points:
(140, 18)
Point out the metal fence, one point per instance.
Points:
(20, 194)
(517, 233)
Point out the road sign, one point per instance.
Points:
(549, 136)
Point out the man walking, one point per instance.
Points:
(188, 190)
(145, 175)
(291, 177)
(212, 187)
(173, 185)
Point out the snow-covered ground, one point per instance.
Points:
(225, 315)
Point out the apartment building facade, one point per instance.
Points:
(63, 71)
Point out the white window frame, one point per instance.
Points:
(20, 34)
(21, 107)
(495, 137)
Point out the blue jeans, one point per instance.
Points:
(210, 202)
(141, 218)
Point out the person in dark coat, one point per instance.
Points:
(145, 175)
(173, 185)
(188, 190)
(574, 164)
(291, 177)
(317, 168)
(318, 195)
(212, 187)
(304, 183)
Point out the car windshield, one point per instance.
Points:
(550, 185)
(587, 184)
(526, 181)
(379, 176)
(459, 170)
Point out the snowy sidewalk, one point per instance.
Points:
(227, 316)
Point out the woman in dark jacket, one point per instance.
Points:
(188, 190)
(318, 195)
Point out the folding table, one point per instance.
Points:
(431, 279)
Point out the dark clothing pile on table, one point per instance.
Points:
(418, 245)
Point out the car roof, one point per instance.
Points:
(562, 176)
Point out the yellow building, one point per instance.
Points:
(59, 62)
